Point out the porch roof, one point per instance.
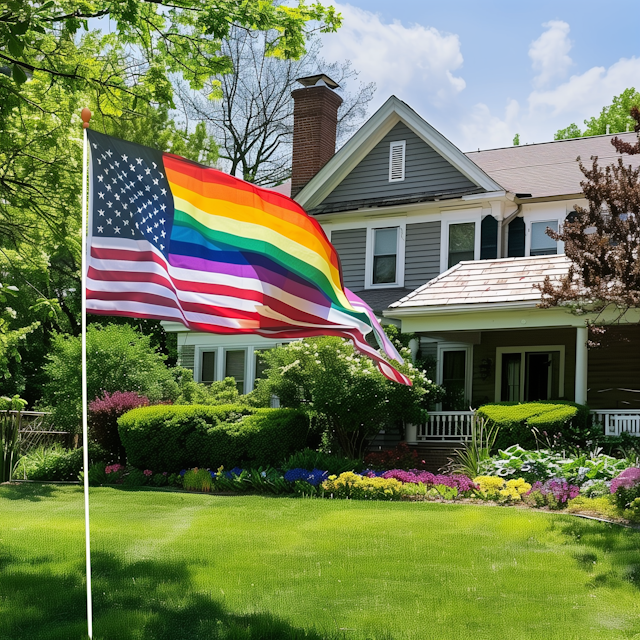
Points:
(486, 282)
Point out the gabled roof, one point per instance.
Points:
(486, 282)
(550, 168)
(366, 138)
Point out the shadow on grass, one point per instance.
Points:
(27, 491)
(619, 545)
(148, 599)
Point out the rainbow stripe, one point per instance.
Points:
(234, 228)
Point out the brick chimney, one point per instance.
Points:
(315, 117)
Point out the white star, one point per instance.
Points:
(101, 195)
(155, 196)
(163, 192)
(125, 205)
(155, 166)
(116, 163)
(116, 229)
(163, 206)
(101, 212)
(137, 225)
(162, 233)
(161, 174)
(99, 161)
(95, 146)
(109, 152)
(149, 229)
(162, 221)
(100, 229)
(132, 167)
(147, 188)
(108, 187)
(140, 177)
(155, 181)
(125, 158)
(109, 221)
(133, 233)
(155, 238)
(109, 204)
(155, 211)
(161, 246)
(125, 222)
(147, 171)
(100, 178)
(155, 226)
(117, 196)
(139, 160)
(117, 214)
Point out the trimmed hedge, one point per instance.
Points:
(174, 437)
(569, 423)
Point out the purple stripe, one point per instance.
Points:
(291, 284)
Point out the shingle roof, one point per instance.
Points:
(549, 168)
(487, 281)
(380, 299)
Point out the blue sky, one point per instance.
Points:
(482, 71)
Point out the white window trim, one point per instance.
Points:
(522, 350)
(528, 234)
(368, 273)
(468, 373)
(403, 144)
(459, 217)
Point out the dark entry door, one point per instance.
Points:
(537, 376)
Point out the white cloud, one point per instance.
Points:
(415, 60)
(550, 53)
(482, 130)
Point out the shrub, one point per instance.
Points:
(178, 437)
(332, 463)
(626, 487)
(603, 506)
(328, 376)
(454, 481)
(562, 423)
(197, 480)
(356, 487)
(401, 457)
(103, 420)
(496, 488)
(555, 492)
(119, 358)
(53, 463)
(9, 434)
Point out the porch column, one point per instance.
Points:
(411, 432)
(581, 365)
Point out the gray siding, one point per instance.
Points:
(187, 356)
(426, 171)
(351, 245)
(422, 254)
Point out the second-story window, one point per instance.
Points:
(462, 238)
(385, 255)
(541, 243)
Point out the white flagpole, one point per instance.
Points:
(86, 116)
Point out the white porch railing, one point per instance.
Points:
(615, 421)
(446, 426)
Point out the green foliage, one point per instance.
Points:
(191, 392)
(566, 422)
(9, 434)
(170, 438)
(516, 140)
(327, 376)
(197, 480)
(468, 459)
(310, 459)
(616, 115)
(50, 464)
(119, 358)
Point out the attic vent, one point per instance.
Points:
(396, 161)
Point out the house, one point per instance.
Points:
(450, 246)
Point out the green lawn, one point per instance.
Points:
(172, 566)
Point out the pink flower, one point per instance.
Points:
(113, 468)
(627, 479)
(148, 472)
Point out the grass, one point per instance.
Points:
(174, 566)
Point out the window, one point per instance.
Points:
(541, 243)
(208, 367)
(454, 380)
(527, 374)
(462, 238)
(515, 243)
(234, 366)
(396, 161)
(385, 255)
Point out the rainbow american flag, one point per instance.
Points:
(173, 240)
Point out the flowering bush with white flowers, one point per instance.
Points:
(327, 376)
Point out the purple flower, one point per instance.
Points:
(627, 479)
(559, 488)
(415, 476)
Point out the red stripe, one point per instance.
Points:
(129, 255)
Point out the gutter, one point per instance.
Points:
(501, 225)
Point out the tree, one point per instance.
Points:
(253, 120)
(603, 241)
(327, 376)
(616, 115)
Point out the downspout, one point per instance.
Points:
(502, 224)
